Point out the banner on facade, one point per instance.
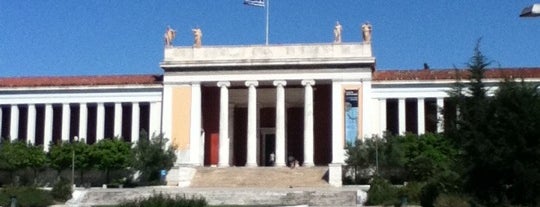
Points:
(351, 116)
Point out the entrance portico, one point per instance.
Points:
(260, 105)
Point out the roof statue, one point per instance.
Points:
(197, 37)
(366, 32)
(169, 36)
(337, 32)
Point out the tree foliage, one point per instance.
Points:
(151, 156)
(111, 154)
(498, 138)
(18, 155)
(402, 158)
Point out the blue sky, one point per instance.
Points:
(107, 37)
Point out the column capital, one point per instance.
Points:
(308, 82)
(252, 83)
(223, 84)
(280, 83)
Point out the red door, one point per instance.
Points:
(214, 148)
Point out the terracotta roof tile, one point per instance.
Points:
(450, 74)
(80, 81)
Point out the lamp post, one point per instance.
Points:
(531, 11)
(75, 139)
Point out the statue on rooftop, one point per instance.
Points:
(366, 32)
(197, 37)
(337, 32)
(169, 36)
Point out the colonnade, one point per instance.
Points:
(50, 110)
(421, 115)
(252, 126)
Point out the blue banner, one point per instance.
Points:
(351, 117)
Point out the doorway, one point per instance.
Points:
(267, 146)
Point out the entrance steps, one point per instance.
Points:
(260, 177)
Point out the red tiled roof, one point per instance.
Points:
(79, 81)
(450, 74)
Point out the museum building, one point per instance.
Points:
(258, 105)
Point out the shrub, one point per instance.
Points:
(451, 200)
(382, 192)
(165, 200)
(62, 190)
(412, 192)
(429, 193)
(26, 197)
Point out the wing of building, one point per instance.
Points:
(240, 105)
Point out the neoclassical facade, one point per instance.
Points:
(249, 106)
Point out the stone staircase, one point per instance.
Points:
(260, 177)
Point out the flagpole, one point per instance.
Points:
(267, 11)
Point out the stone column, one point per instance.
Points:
(118, 119)
(280, 123)
(224, 124)
(83, 121)
(382, 116)
(135, 127)
(195, 140)
(31, 124)
(401, 116)
(100, 122)
(440, 116)
(231, 133)
(66, 115)
(421, 116)
(48, 128)
(308, 123)
(14, 123)
(338, 127)
(155, 119)
(252, 124)
(0, 121)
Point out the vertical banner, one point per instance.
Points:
(351, 116)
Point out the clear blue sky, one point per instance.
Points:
(105, 37)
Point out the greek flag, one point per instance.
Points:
(259, 3)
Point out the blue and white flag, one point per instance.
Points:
(254, 2)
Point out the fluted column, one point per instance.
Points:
(100, 122)
(382, 116)
(1, 122)
(252, 124)
(280, 123)
(83, 121)
(421, 116)
(135, 125)
(224, 124)
(308, 122)
(14, 123)
(48, 128)
(66, 114)
(31, 124)
(155, 119)
(118, 119)
(440, 116)
(401, 116)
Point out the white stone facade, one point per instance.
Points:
(237, 106)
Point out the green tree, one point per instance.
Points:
(83, 158)
(61, 156)
(13, 156)
(497, 138)
(151, 156)
(111, 154)
(37, 159)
